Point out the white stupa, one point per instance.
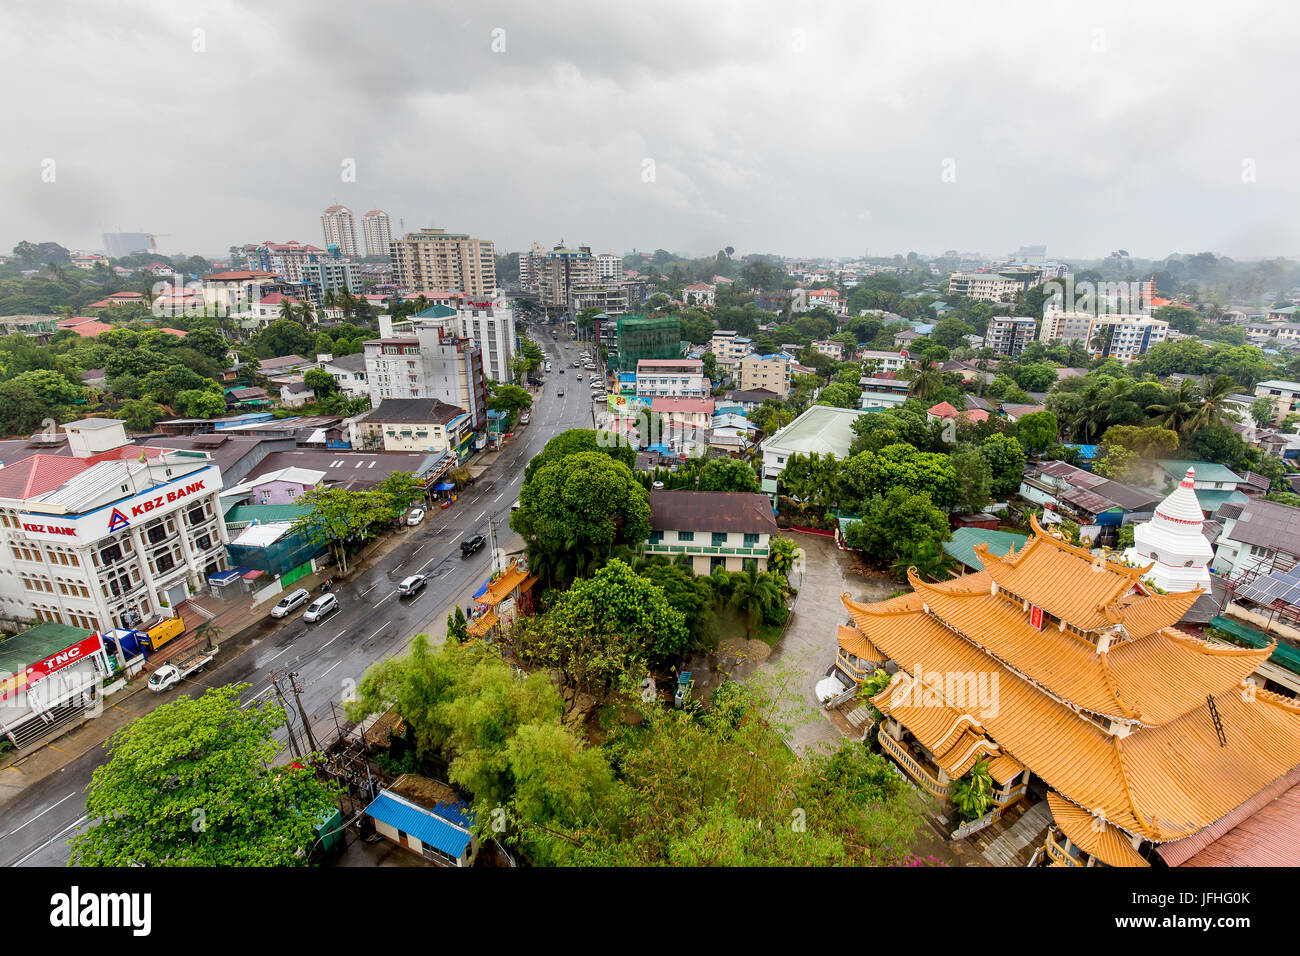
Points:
(1174, 542)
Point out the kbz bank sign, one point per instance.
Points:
(121, 515)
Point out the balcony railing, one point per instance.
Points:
(1057, 850)
(914, 768)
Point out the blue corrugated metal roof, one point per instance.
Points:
(427, 826)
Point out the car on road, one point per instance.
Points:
(524, 419)
(415, 517)
(291, 602)
(560, 393)
(579, 378)
(470, 545)
(561, 371)
(412, 584)
(320, 607)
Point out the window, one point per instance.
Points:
(751, 540)
(685, 535)
(719, 539)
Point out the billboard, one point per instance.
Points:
(627, 405)
(11, 685)
(120, 515)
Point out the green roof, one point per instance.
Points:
(1284, 655)
(1213, 498)
(265, 513)
(1205, 471)
(962, 545)
(36, 644)
(435, 312)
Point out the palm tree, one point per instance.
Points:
(1178, 408)
(971, 793)
(286, 308)
(927, 381)
(305, 313)
(754, 593)
(330, 300)
(1214, 408)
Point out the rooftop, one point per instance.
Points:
(820, 429)
(711, 511)
(415, 411)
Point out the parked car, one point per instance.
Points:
(561, 371)
(579, 378)
(415, 517)
(470, 545)
(412, 585)
(320, 607)
(524, 419)
(291, 602)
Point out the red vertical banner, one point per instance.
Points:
(1036, 616)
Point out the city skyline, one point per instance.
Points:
(808, 131)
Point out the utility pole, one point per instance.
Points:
(293, 682)
(288, 726)
(498, 559)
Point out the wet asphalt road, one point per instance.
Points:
(331, 656)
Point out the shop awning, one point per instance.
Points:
(252, 575)
(224, 577)
(443, 486)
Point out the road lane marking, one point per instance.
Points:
(369, 589)
(285, 651)
(331, 667)
(480, 517)
(41, 814)
(385, 597)
(376, 634)
(497, 498)
(75, 823)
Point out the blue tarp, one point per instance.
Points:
(443, 486)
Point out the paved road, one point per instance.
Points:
(331, 656)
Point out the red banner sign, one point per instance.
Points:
(1036, 616)
(14, 684)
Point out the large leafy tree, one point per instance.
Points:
(341, 518)
(607, 626)
(1036, 431)
(193, 783)
(1007, 460)
(755, 594)
(576, 509)
(867, 475)
(728, 474)
(893, 525)
(579, 440)
(974, 479)
(687, 592)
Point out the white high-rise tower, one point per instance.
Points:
(377, 232)
(340, 229)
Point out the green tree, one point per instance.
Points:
(21, 409)
(1007, 460)
(782, 556)
(728, 474)
(579, 440)
(894, 524)
(840, 395)
(321, 382)
(194, 783)
(200, 403)
(974, 479)
(50, 387)
(690, 594)
(284, 336)
(341, 518)
(1036, 431)
(140, 414)
(402, 491)
(574, 510)
(755, 594)
(457, 626)
(972, 793)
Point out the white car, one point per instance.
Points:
(320, 607)
(291, 602)
(415, 517)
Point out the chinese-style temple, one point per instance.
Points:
(1065, 675)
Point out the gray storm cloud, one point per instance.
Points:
(799, 128)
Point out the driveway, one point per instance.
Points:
(807, 648)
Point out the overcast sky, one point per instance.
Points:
(787, 127)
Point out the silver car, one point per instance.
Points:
(320, 607)
(291, 602)
(412, 585)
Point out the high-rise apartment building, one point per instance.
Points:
(340, 229)
(377, 232)
(1122, 335)
(437, 259)
(1009, 334)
